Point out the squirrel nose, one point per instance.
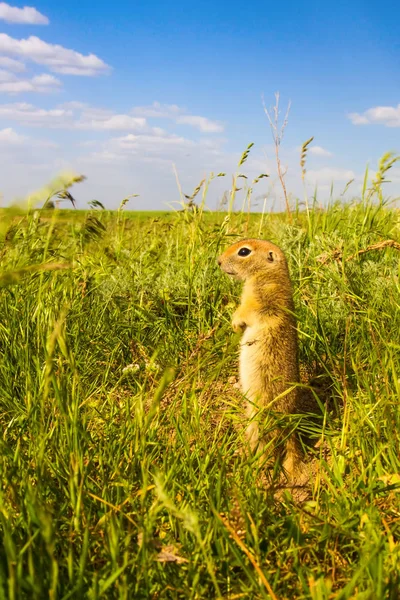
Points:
(219, 261)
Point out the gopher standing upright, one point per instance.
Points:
(269, 366)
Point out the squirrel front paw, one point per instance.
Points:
(238, 325)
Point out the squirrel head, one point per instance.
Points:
(251, 257)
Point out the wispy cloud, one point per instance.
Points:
(77, 115)
(133, 150)
(158, 111)
(358, 119)
(72, 115)
(316, 151)
(164, 148)
(113, 122)
(329, 175)
(389, 116)
(57, 58)
(152, 143)
(319, 151)
(201, 123)
(26, 15)
(179, 115)
(44, 83)
(10, 138)
(11, 64)
(27, 114)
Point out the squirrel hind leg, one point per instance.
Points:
(252, 435)
(293, 465)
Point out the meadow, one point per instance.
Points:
(121, 424)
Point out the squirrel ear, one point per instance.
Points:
(271, 256)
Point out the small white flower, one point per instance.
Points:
(131, 368)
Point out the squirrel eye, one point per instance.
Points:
(244, 252)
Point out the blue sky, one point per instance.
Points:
(121, 92)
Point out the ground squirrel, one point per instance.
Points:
(268, 365)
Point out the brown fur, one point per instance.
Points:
(269, 349)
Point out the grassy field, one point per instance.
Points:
(121, 424)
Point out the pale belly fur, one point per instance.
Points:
(252, 362)
(251, 378)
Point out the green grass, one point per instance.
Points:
(120, 425)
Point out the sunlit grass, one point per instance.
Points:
(120, 424)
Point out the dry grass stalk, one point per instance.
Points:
(338, 254)
(277, 135)
(250, 556)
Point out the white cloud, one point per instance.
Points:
(9, 136)
(382, 115)
(123, 148)
(55, 57)
(10, 139)
(88, 117)
(358, 119)
(11, 84)
(5, 75)
(27, 15)
(77, 115)
(152, 142)
(46, 79)
(316, 151)
(328, 175)
(74, 105)
(71, 115)
(257, 165)
(114, 122)
(143, 148)
(89, 112)
(157, 110)
(27, 114)
(11, 64)
(179, 116)
(201, 123)
(319, 151)
(103, 156)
